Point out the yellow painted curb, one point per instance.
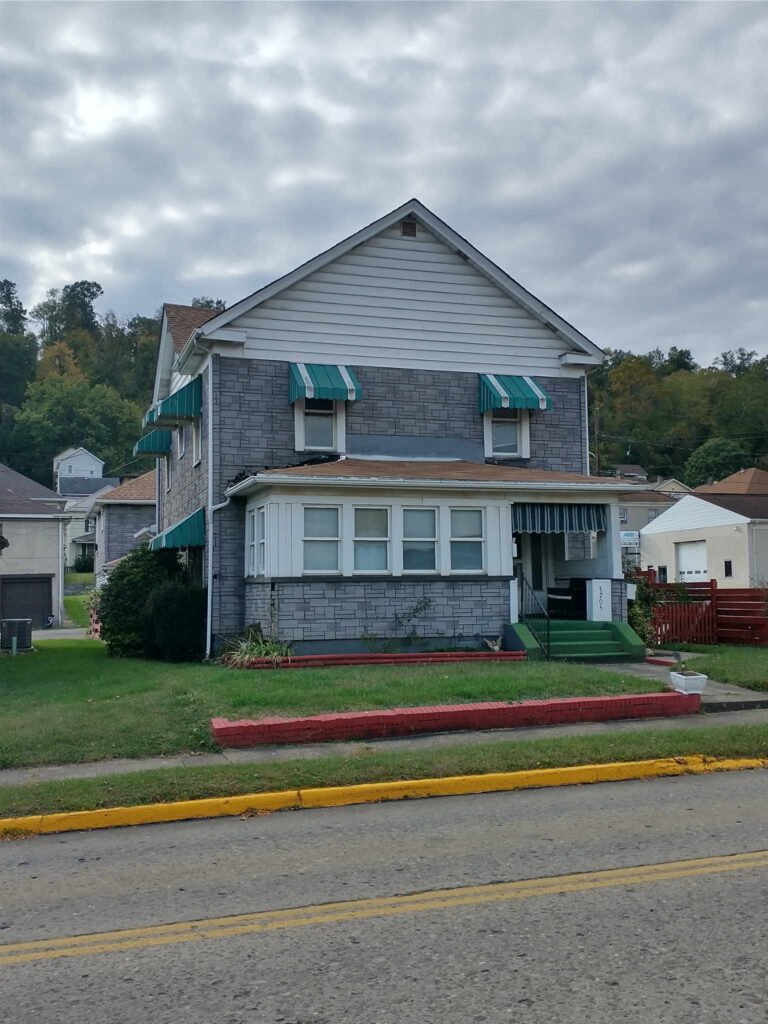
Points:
(338, 796)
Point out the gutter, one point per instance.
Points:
(211, 509)
(261, 480)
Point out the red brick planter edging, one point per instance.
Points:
(411, 658)
(491, 715)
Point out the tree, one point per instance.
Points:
(13, 316)
(58, 360)
(18, 362)
(204, 302)
(737, 362)
(48, 315)
(77, 310)
(59, 412)
(714, 460)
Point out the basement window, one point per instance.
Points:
(408, 228)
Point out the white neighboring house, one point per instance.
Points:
(32, 525)
(78, 463)
(722, 537)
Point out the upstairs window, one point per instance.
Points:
(197, 440)
(257, 542)
(623, 513)
(319, 425)
(506, 434)
(181, 440)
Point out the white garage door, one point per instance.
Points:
(692, 561)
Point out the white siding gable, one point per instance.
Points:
(691, 513)
(402, 302)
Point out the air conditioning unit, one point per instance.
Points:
(19, 628)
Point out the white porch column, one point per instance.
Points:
(514, 601)
(614, 542)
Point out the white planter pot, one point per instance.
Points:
(693, 683)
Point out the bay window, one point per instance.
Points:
(466, 540)
(371, 540)
(321, 538)
(257, 542)
(419, 540)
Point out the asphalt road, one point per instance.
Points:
(551, 914)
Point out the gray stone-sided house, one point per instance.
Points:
(390, 439)
(124, 519)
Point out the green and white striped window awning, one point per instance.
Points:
(187, 533)
(156, 442)
(528, 517)
(500, 391)
(316, 380)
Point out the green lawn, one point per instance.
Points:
(76, 610)
(375, 764)
(69, 701)
(87, 579)
(743, 666)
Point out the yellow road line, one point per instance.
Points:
(338, 796)
(387, 906)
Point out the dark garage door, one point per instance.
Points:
(27, 597)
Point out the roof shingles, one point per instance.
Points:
(141, 488)
(182, 320)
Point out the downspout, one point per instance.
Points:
(211, 509)
(61, 576)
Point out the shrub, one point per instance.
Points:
(174, 625)
(83, 563)
(122, 601)
(242, 651)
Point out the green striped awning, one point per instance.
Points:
(157, 442)
(499, 391)
(184, 404)
(315, 380)
(188, 533)
(542, 518)
(150, 417)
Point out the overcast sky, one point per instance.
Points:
(611, 157)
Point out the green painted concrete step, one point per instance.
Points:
(611, 656)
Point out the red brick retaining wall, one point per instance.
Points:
(410, 658)
(490, 715)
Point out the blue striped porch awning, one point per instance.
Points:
(187, 533)
(529, 517)
(315, 380)
(499, 391)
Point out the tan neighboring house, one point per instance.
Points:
(719, 532)
(125, 518)
(32, 539)
(673, 487)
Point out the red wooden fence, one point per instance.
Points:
(702, 613)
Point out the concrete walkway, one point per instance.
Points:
(286, 752)
(716, 696)
(71, 633)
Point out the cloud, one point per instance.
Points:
(611, 157)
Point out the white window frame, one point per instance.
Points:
(653, 513)
(623, 514)
(402, 540)
(168, 472)
(387, 541)
(181, 441)
(481, 540)
(338, 539)
(523, 436)
(339, 428)
(256, 542)
(197, 440)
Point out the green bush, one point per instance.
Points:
(174, 625)
(83, 563)
(121, 604)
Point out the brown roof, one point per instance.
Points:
(384, 469)
(746, 481)
(753, 506)
(141, 488)
(642, 495)
(182, 320)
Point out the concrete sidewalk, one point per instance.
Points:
(716, 696)
(285, 752)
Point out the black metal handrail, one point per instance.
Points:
(533, 614)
